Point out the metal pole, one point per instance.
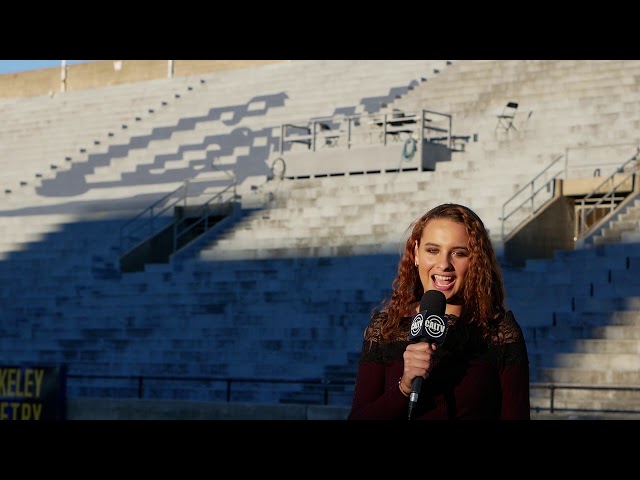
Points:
(170, 69)
(63, 76)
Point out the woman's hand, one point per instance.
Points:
(417, 363)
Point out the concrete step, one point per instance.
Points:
(578, 398)
(597, 361)
(602, 346)
(586, 376)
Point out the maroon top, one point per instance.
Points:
(469, 380)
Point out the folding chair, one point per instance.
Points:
(330, 135)
(505, 119)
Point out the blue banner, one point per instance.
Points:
(32, 392)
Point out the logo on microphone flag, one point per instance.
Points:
(434, 326)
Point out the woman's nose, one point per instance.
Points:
(444, 262)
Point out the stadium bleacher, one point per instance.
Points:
(269, 308)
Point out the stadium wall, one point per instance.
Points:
(104, 73)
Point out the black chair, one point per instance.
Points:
(505, 119)
(331, 136)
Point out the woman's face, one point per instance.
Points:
(443, 257)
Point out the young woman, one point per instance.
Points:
(481, 370)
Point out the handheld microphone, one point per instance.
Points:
(429, 325)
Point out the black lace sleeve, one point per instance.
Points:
(376, 393)
(371, 345)
(508, 339)
(377, 349)
(513, 363)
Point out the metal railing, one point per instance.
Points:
(350, 130)
(200, 216)
(140, 381)
(624, 175)
(160, 214)
(554, 387)
(545, 181)
(329, 386)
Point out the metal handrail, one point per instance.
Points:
(531, 199)
(153, 211)
(309, 131)
(327, 384)
(205, 211)
(553, 387)
(228, 381)
(148, 224)
(610, 194)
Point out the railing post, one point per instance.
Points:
(282, 130)
(533, 194)
(63, 76)
(384, 129)
(313, 135)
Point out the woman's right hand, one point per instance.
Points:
(417, 363)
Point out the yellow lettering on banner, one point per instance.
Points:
(12, 381)
(30, 411)
(20, 411)
(8, 380)
(39, 374)
(32, 378)
(14, 384)
(28, 383)
(19, 387)
(7, 408)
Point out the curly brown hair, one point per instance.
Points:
(483, 290)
